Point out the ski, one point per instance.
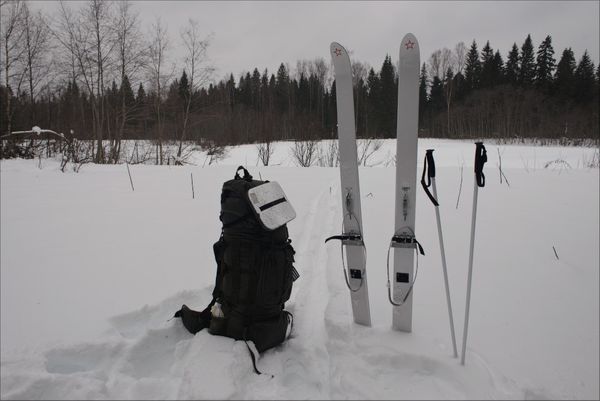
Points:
(352, 242)
(404, 243)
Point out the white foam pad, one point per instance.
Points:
(271, 205)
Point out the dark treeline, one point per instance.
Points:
(464, 92)
(528, 95)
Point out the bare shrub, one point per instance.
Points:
(329, 155)
(304, 152)
(265, 151)
(184, 153)
(77, 153)
(142, 157)
(366, 149)
(214, 152)
(558, 163)
(594, 162)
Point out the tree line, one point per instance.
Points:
(91, 73)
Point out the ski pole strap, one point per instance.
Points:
(246, 176)
(429, 171)
(480, 159)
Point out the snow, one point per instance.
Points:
(91, 273)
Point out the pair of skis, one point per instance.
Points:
(403, 240)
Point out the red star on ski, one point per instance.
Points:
(409, 44)
(337, 52)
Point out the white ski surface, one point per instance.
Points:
(355, 257)
(406, 173)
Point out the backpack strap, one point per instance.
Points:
(195, 321)
(252, 356)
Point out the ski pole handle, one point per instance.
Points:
(429, 171)
(431, 163)
(480, 159)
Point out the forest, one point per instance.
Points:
(90, 74)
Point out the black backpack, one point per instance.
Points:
(254, 277)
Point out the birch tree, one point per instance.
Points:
(131, 57)
(12, 49)
(91, 51)
(200, 71)
(158, 77)
(36, 34)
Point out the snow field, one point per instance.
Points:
(92, 271)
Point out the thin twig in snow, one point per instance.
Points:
(461, 182)
(130, 179)
(192, 178)
(500, 168)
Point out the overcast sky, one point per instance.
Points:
(265, 33)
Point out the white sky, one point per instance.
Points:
(263, 34)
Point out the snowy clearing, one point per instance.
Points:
(91, 273)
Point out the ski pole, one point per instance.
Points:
(429, 170)
(480, 159)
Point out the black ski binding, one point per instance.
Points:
(348, 239)
(406, 240)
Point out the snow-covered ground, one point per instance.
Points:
(91, 273)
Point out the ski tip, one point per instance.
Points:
(337, 50)
(409, 42)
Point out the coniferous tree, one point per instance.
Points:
(472, 68)
(527, 64)
(264, 92)
(282, 88)
(141, 94)
(565, 73)
(230, 92)
(127, 92)
(512, 71)
(388, 98)
(373, 96)
(255, 89)
(497, 69)
(184, 87)
(459, 87)
(487, 66)
(245, 90)
(545, 64)
(436, 96)
(303, 95)
(584, 79)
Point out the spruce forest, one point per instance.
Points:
(92, 76)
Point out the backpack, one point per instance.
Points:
(255, 271)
